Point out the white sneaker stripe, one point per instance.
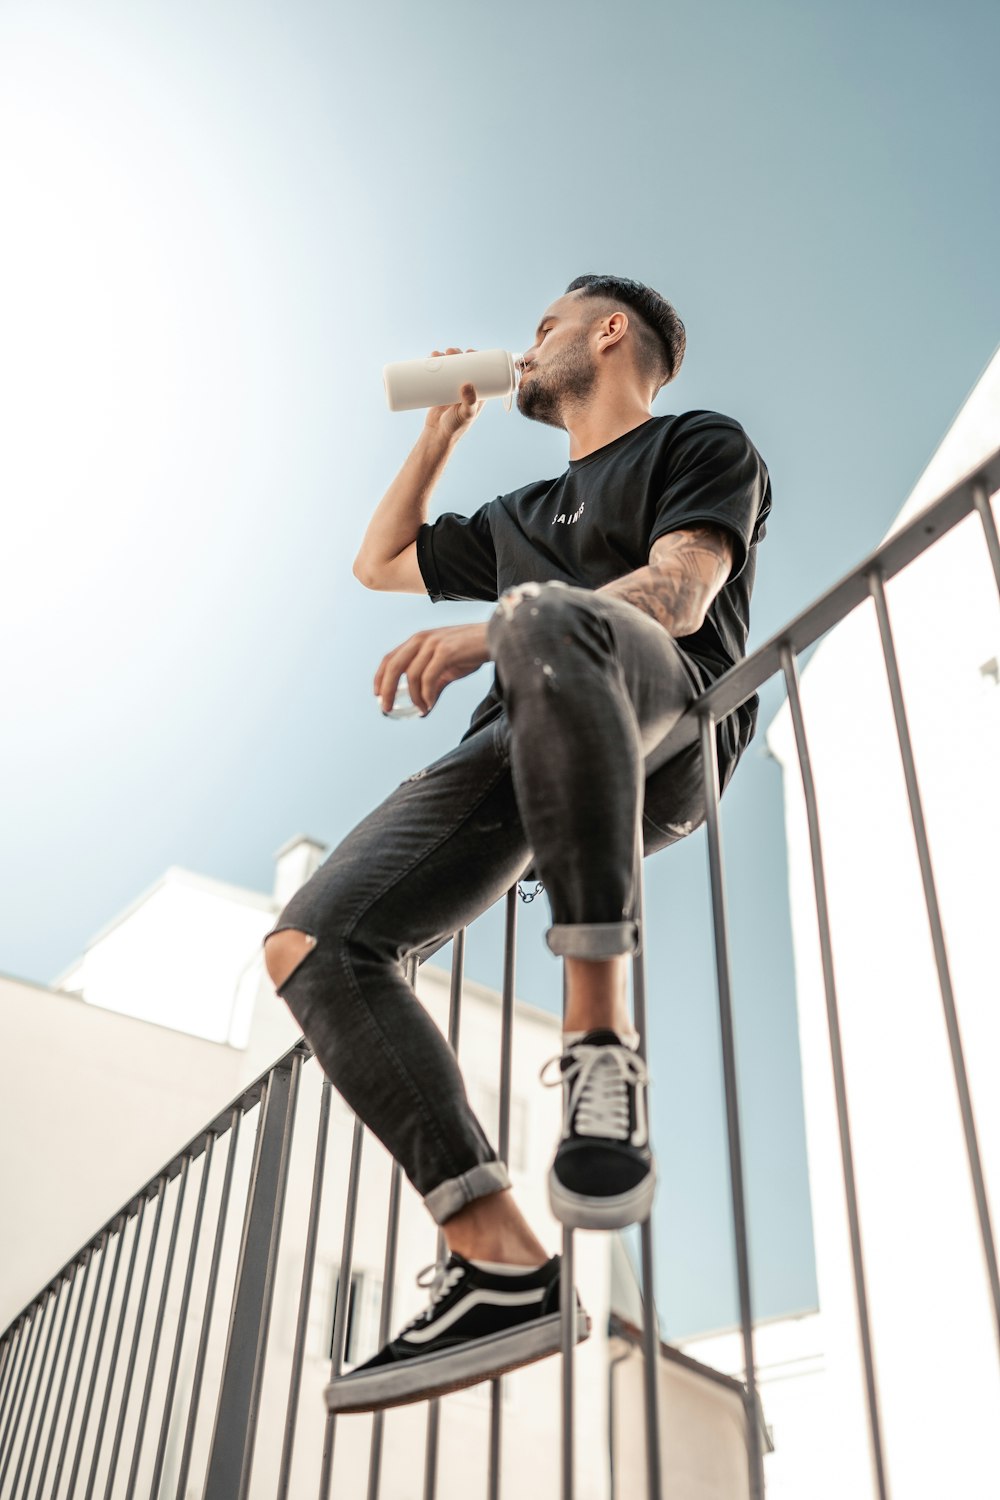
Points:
(474, 1299)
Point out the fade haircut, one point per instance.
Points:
(660, 339)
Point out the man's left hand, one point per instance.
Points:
(431, 659)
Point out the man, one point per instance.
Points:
(622, 590)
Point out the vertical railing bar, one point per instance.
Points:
(99, 1350)
(116, 1344)
(719, 921)
(650, 1316)
(385, 1320)
(790, 669)
(5, 1350)
(234, 1430)
(388, 1290)
(343, 1302)
(87, 1263)
(455, 998)
(140, 1312)
(567, 1319)
(877, 587)
(49, 1302)
(24, 1344)
(981, 500)
(10, 1347)
(308, 1268)
(154, 1347)
(454, 1024)
(213, 1275)
(102, 1252)
(68, 1283)
(175, 1360)
(32, 1321)
(270, 1270)
(507, 1024)
(503, 1148)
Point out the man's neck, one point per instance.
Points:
(595, 427)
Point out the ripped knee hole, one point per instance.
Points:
(284, 951)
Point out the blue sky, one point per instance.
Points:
(222, 220)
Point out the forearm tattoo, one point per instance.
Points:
(686, 570)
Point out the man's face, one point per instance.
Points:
(561, 369)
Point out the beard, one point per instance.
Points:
(544, 395)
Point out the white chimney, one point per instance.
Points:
(294, 863)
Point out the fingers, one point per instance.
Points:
(411, 657)
(421, 678)
(425, 662)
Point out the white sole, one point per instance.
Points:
(451, 1369)
(577, 1211)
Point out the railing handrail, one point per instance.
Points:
(894, 554)
(725, 695)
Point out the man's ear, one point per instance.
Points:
(617, 325)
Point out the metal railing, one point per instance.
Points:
(89, 1396)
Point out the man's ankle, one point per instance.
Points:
(498, 1252)
(493, 1228)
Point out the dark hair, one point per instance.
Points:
(660, 338)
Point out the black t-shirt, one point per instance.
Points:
(597, 522)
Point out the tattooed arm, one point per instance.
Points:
(686, 570)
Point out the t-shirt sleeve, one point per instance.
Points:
(456, 556)
(717, 478)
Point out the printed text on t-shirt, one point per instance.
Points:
(568, 520)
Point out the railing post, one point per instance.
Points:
(454, 1025)
(231, 1453)
(650, 1317)
(837, 1057)
(308, 1269)
(710, 766)
(343, 1303)
(876, 584)
(503, 1149)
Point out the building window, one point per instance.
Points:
(362, 1313)
(351, 1342)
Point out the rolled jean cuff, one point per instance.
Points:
(446, 1199)
(593, 939)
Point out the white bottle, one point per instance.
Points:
(438, 380)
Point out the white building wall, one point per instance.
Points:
(932, 1321)
(792, 1386)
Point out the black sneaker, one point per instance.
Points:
(479, 1325)
(603, 1175)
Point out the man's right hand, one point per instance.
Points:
(451, 421)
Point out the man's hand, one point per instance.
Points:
(431, 659)
(452, 421)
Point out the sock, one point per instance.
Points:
(504, 1270)
(628, 1039)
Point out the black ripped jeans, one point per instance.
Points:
(591, 686)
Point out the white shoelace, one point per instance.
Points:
(599, 1079)
(439, 1278)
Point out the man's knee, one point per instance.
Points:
(284, 951)
(534, 599)
(536, 624)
